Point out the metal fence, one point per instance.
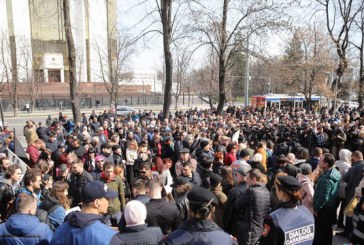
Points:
(87, 101)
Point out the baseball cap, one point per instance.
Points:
(96, 190)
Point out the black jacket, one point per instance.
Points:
(163, 214)
(196, 231)
(231, 215)
(183, 206)
(77, 182)
(353, 178)
(6, 195)
(138, 234)
(253, 207)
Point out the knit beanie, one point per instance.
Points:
(135, 213)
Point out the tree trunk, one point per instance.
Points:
(222, 68)
(14, 74)
(72, 62)
(210, 102)
(166, 13)
(176, 99)
(361, 69)
(189, 97)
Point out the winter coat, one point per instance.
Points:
(204, 154)
(83, 228)
(196, 231)
(357, 236)
(231, 215)
(327, 189)
(163, 214)
(353, 177)
(307, 191)
(138, 234)
(24, 229)
(219, 209)
(253, 207)
(344, 165)
(183, 206)
(7, 193)
(195, 180)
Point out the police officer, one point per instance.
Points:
(293, 223)
(200, 228)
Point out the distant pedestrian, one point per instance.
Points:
(27, 107)
(60, 106)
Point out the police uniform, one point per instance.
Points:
(293, 223)
(200, 231)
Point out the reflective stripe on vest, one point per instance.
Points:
(297, 224)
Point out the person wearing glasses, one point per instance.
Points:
(99, 167)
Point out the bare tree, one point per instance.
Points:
(72, 62)
(32, 74)
(182, 62)
(245, 17)
(208, 78)
(340, 16)
(5, 69)
(113, 68)
(165, 11)
(359, 26)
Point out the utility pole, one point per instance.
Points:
(246, 91)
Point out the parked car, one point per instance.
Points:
(122, 110)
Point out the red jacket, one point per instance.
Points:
(34, 154)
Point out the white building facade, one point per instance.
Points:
(32, 38)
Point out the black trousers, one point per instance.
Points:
(323, 226)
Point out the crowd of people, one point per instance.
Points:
(247, 176)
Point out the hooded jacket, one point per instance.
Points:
(24, 229)
(83, 228)
(344, 165)
(327, 189)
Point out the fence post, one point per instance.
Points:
(131, 99)
(183, 98)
